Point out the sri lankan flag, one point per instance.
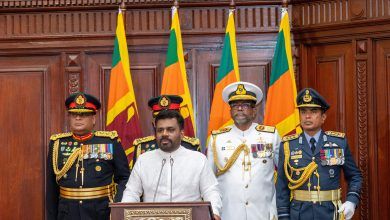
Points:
(175, 76)
(281, 110)
(122, 113)
(228, 73)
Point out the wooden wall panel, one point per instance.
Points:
(381, 203)
(26, 84)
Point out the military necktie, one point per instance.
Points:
(312, 146)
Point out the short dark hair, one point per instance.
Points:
(169, 114)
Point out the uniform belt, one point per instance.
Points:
(317, 196)
(88, 193)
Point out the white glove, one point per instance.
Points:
(348, 208)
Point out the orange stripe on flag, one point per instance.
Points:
(121, 87)
(280, 100)
(172, 82)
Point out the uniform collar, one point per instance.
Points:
(246, 132)
(82, 138)
(316, 136)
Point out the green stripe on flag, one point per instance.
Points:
(227, 60)
(280, 62)
(116, 57)
(172, 49)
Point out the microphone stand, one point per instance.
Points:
(159, 177)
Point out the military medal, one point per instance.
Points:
(254, 150)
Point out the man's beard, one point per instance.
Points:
(242, 120)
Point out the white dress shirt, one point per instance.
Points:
(192, 179)
(247, 194)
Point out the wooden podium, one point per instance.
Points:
(162, 211)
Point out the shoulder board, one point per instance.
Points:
(290, 137)
(143, 140)
(335, 134)
(60, 135)
(265, 128)
(191, 140)
(222, 130)
(110, 134)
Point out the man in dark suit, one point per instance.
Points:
(310, 167)
(86, 169)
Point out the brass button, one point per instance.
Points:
(80, 187)
(313, 158)
(80, 202)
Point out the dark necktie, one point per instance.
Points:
(312, 146)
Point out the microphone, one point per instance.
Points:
(159, 177)
(171, 162)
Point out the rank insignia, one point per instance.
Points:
(80, 100)
(164, 102)
(307, 97)
(240, 90)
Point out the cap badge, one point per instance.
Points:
(80, 100)
(164, 102)
(307, 97)
(240, 90)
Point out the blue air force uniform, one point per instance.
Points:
(308, 184)
(332, 155)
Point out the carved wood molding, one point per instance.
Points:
(84, 4)
(73, 71)
(316, 13)
(76, 24)
(362, 87)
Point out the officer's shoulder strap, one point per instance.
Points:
(221, 131)
(265, 128)
(60, 135)
(191, 140)
(143, 140)
(290, 137)
(335, 134)
(110, 134)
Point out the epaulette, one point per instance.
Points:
(335, 134)
(60, 135)
(143, 140)
(265, 128)
(290, 137)
(222, 130)
(110, 134)
(191, 140)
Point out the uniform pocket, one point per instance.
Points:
(63, 211)
(295, 209)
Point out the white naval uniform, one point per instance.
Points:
(246, 195)
(192, 179)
